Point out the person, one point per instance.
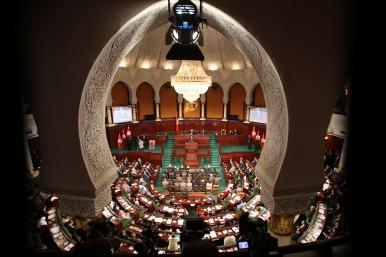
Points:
(249, 142)
(173, 242)
(229, 241)
(140, 144)
(202, 248)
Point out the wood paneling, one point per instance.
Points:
(145, 97)
(214, 102)
(168, 102)
(237, 101)
(120, 94)
(258, 96)
(192, 113)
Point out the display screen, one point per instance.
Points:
(122, 114)
(243, 245)
(258, 114)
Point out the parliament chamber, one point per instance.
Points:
(148, 162)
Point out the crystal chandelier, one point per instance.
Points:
(191, 80)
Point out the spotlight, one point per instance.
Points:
(184, 32)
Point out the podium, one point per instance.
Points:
(191, 158)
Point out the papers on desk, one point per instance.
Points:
(180, 222)
(51, 216)
(229, 216)
(55, 230)
(158, 219)
(235, 229)
(211, 221)
(106, 213)
(68, 247)
(169, 221)
(212, 234)
(51, 211)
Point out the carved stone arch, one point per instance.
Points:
(92, 133)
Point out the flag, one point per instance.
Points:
(177, 125)
(258, 136)
(128, 132)
(123, 134)
(253, 133)
(119, 141)
(262, 140)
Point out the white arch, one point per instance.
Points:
(94, 146)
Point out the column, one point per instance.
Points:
(203, 99)
(247, 114)
(180, 99)
(225, 112)
(135, 114)
(157, 112)
(109, 118)
(281, 224)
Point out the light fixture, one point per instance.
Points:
(191, 80)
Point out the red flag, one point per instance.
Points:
(253, 133)
(119, 141)
(262, 140)
(123, 134)
(128, 132)
(258, 136)
(177, 125)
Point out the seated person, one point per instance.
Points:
(173, 242)
(165, 184)
(229, 241)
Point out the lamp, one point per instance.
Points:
(191, 80)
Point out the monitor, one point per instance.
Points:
(243, 244)
(122, 114)
(258, 114)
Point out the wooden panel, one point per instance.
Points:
(145, 96)
(189, 111)
(237, 101)
(120, 94)
(168, 102)
(214, 102)
(258, 96)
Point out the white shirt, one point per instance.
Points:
(173, 243)
(229, 241)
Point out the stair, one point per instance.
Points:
(214, 152)
(168, 151)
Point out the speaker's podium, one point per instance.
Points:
(191, 157)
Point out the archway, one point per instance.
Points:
(94, 146)
(214, 102)
(237, 96)
(145, 104)
(258, 96)
(168, 101)
(120, 94)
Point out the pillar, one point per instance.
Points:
(109, 118)
(203, 99)
(135, 114)
(247, 114)
(180, 101)
(157, 112)
(225, 112)
(281, 224)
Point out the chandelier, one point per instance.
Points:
(191, 80)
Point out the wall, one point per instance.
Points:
(145, 97)
(120, 94)
(214, 102)
(168, 102)
(237, 101)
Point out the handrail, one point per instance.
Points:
(66, 233)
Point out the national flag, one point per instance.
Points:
(253, 133)
(177, 125)
(128, 132)
(119, 141)
(262, 140)
(258, 136)
(123, 134)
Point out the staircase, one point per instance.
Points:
(214, 152)
(168, 151)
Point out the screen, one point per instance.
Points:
(258, 114)
(122, 114)
(243, 245)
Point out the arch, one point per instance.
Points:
(91, 120)
(258, 96)
(214, 102)
(237, 96)
(168, 101)
(120, 94)
(145, 100)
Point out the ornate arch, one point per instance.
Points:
(94, 146)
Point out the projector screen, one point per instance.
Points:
(122, 114)
(258, 114)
